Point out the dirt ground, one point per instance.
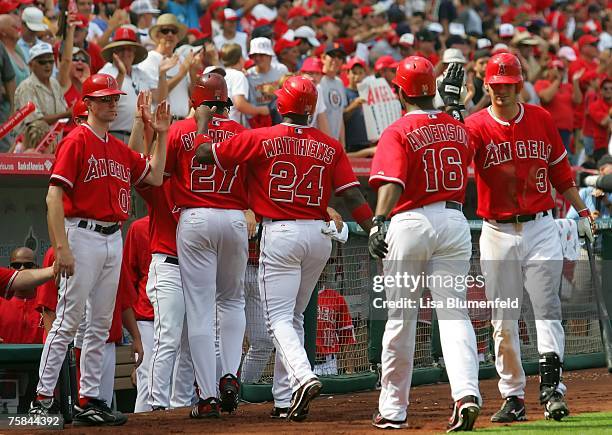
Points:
(588, 391)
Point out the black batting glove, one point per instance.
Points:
(376, 242)
(451, 84)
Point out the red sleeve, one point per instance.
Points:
(390, 163)
(67, 164)
(559, 170)
(343, 175)
(139, 166)
(171, 151)
(473, 135)
(47, 294)
(540, 85)
(234, 151)
(7, 277)
(128, 280)
(598, 111)
(346, 334)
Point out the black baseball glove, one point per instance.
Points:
(451, 84)
(376, 242)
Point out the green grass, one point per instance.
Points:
(592, 424)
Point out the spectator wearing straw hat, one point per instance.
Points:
(166, 34)
(123, 57)
(229, 34)
(524, 42)
(144, 12)
(42, 89)
(32, 26)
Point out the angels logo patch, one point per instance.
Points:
(335, 99)
(501, 69)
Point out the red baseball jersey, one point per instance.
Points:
(7, 276)
(197, 185)
(516, 161)
(135, 268)
(427, 153)
(96, 174)
(20, 323)
(334, 323)
(47, 294)
(163, 218)
(291, 169)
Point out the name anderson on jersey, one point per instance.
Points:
(434, 133)
(496, 154)
(299, 147)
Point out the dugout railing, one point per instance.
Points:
(350, 271)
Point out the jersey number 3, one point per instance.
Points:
(283, 188)
(444, 168)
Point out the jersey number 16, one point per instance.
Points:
(443, 169)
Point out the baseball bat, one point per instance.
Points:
(604, 318)
(16, 118)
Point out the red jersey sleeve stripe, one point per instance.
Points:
(62, 180)
(559, 159)
(144, 173)
(385, 178)
(346, 186)
(214, 153)
(10, 284)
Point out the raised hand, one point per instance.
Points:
(168, 63)
(162, 118)
(450, 86)
(119, 64)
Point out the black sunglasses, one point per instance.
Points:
(26, 265)
(79, 59)
(45, 62)
(108, 99)
(167, 30)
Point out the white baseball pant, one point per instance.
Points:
(183, 376)
(513, 257)
(213, 248)
(431, 241)
(145, 327)
(94, 284)
(293, 255)
(165, 291)
(260, 342)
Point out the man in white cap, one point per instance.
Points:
(144, 12)
(406, 45)
(42, 89)
(32, 19)
(229, 34)
(450, 55)
(308, 40)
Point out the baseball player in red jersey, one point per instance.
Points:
(212, 249)
(420, 171)
(518, 154)
(292, 171)
(15, 280)
(88, 199)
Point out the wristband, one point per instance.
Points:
(362, 213)
(585, 213)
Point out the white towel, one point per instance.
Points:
(332, 232)
(570, 242)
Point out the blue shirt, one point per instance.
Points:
(187, 13)
(25, 48)
(356, 135)
(591, 202)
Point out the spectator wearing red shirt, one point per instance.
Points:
(588, 56)
(599, 116)
(559, 99)
(20, 323)
(335, 331)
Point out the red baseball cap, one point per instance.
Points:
(312, 65)
(353, 61)
(83, 20)
(283, 43)
(324, 20)
(555, 63)
(587, 40)
(366, 10)
(7, 6)
(298, 11)
(385, 62)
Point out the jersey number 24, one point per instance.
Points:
(284, 185)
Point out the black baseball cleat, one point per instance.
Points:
(556, 408)
(97, 413)
(44, 407)
(279, 412)
(465, 413)
(229, 389)
(513, 409)
(158, 408)
(208, 408)
(298, 411)
(384, 423)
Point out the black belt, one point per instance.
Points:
(279, 220)
(519, 218)
(171, 260)
(107, 231)
(454, 205)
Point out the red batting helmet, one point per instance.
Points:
(415, 77)
(503, 68)
(101, 85)
(80, 110)
(298, 95)
(210, 88)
